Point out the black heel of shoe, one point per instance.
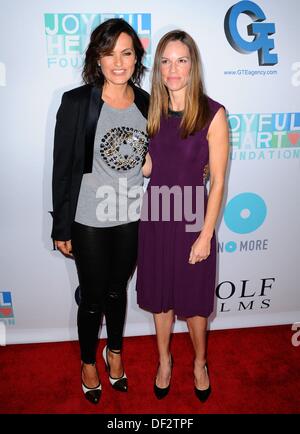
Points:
(203, 395)
(162, 392)
(92, 394)
(120, 383)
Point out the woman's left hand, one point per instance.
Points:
(200, 250)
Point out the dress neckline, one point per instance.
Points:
(174, 113)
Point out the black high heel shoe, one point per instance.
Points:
(92, 394)
(120, 383)
(162, 392)
(202, 395)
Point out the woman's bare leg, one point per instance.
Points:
(163, 324)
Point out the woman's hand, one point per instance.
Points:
(147, 167)
(200, 250)
(64, 247)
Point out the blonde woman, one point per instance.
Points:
(176, 266)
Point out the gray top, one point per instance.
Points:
(111, 194)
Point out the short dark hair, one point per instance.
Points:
(103, 39)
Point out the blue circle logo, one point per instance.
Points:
(245, 213)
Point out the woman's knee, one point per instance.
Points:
(88, 307)
(117, 292)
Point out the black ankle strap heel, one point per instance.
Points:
(120, 383)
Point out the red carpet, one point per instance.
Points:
(254, 370)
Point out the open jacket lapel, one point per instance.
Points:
(94, 109)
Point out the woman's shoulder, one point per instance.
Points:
(78, 92)
(141, 93)
(142, 99)
(214, 105)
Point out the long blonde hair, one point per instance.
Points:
(196, 110)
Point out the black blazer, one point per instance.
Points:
(75, 129)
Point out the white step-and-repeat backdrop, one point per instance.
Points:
(251, 63)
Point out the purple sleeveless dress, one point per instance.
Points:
(165, 279)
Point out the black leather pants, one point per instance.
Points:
(105, 259)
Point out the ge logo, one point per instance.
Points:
(245, 213)
(261, 31)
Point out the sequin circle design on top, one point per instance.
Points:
(123, 148)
